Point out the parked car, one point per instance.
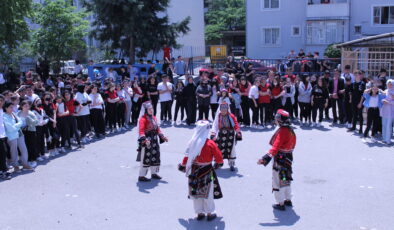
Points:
(262, 66)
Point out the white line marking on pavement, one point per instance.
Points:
(362, 186)
(370, 187)
(74, 196)
(67, 195)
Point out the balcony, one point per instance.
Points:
(328, 9)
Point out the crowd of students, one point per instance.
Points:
(41, 120)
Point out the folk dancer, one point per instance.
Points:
(203, 183)
(226, 132)
(149, 137)
(283, 143)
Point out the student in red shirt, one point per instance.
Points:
(276, 95)
(264, 102)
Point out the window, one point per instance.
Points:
(269, 4)
(270, 36)
(357, 29)
(383, 15)
(325, 32)
(295, 31)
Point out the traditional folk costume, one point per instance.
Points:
(226, 132)
(283, 143)
(149, 149)
(197, 164)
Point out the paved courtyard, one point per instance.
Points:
(340, 183)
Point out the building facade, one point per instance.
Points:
(274, 27)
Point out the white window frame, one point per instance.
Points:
(262, 38)
(325, 42)
(292, 29)
(268, 9)
(372, 16)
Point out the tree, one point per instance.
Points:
(13, 27)
(332, 52)
(61, 30)
(131, 24)
(224, 15)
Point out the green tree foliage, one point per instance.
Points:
(224, 15)
(332, 52)
(61, 30)
(131, 24)
(13, 27)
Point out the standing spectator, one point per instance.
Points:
(189, 92)
(3, 82)
(319, 100)
(288, 97)
(112, 100)
(180, 101)
(4, 174)
(387, 112)
(347, 103)
(52, 135)
(358, 88)
(204, 93)
(304, 98)
(180, 67)
(71, 104)
(165, 89)
(264, 102)
(253, 101)
(30, 96)
(78, 68)
(62, 123)
(249, 73)
(373, 101)
(213, 100)
(153, 93)
(12, 79)
(244, 88)
(121, 107)
(40, 128)
(337, 90)
(15, 138)
(96, 111)
(166, 53)
(235, 95)
(29, 131)
(128, 92)
(137, 102)
(82, 111)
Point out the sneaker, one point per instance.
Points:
(320, 124)
(40, 159)
(5, 176)
(373, 139)
(313, 125)
(263, 126)
(33, 164)
(46, 156)
(232, 168)
(27, 168)
(62, 150)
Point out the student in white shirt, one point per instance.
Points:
(254, 96)
(128, 93)
(96, 111)
(165, 97)
(4, 174)
(82, 111)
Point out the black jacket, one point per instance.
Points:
(341, 86)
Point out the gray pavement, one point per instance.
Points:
(339, 183)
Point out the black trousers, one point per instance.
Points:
(295, 108)
(264, 109)
(348, 112)
(73, 129)
(83, 124)
(165, 110)
(214, 108)
(318, 105)
(154, 99)
(245, 110)
(289, 107)
(40, 140)
(98, 122)
(112, 115)
(136, 111)
(180, 104)
(327, 110)
(255, 111)
(305, 111)
(31, 144)
(64, 125)
(3, 155)
(337, 104)
(357, 115)
(276, 104)
(203, 112)
(373, 120)
(120, 113)
(191, 110)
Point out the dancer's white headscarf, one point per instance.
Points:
(196, 143)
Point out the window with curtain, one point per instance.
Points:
(270, 4)
(325, 32)
(383, 15)
(270, 36)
